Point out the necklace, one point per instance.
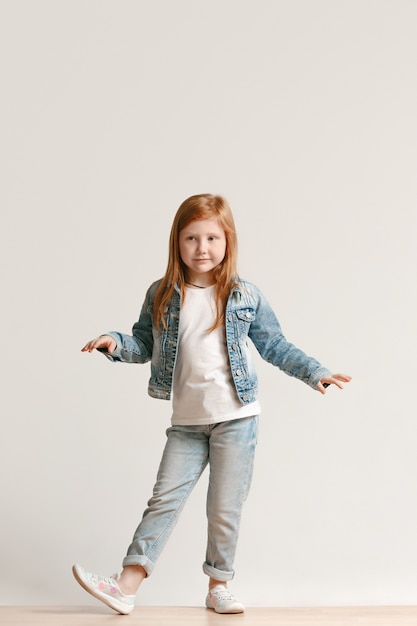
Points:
(198, 286)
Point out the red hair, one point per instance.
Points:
(199, 207)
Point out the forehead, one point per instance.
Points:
(203, 226)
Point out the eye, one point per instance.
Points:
(212, 238)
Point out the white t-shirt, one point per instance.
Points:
(204, 391)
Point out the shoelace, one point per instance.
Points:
(222, 594)
(111, 582)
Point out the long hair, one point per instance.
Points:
(199, 207)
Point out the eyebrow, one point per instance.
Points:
(191, 232)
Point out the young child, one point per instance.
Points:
(194, 328)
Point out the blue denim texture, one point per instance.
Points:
(247, 315)
(229, 448)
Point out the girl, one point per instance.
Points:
(193, 327)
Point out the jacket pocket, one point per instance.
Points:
(244, 318)
(245, 315)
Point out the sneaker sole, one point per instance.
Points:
(230, 611)
(115, 604)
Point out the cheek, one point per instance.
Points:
(186, 252)
(222, 251)
(182, 250)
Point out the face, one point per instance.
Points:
(202, 246)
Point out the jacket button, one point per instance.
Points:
(230, 318)
(234, 347)
(238, 372)
(244, 397)
(247, 314)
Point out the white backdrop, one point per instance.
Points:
(303, 114)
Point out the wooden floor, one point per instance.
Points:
(190, 616)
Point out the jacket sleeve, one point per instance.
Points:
(137, 347)
(267, 336)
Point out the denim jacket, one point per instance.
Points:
(247, 314)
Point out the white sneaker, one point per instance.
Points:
(105, 589)
(221, 600)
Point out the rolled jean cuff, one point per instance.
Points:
(141, 560)
(217, 574)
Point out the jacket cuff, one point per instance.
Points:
(316, 376)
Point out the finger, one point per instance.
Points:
(91, 345)
(331, 380)
(334, 378)
(343, 377)
(321, 388)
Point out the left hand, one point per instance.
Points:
(335, 379)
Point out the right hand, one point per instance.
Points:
(104, 341)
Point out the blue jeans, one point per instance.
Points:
(229, 449)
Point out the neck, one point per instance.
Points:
(188, 282)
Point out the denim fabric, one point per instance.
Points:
(229, 448)
(247, 315)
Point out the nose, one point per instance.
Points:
(201, 250)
